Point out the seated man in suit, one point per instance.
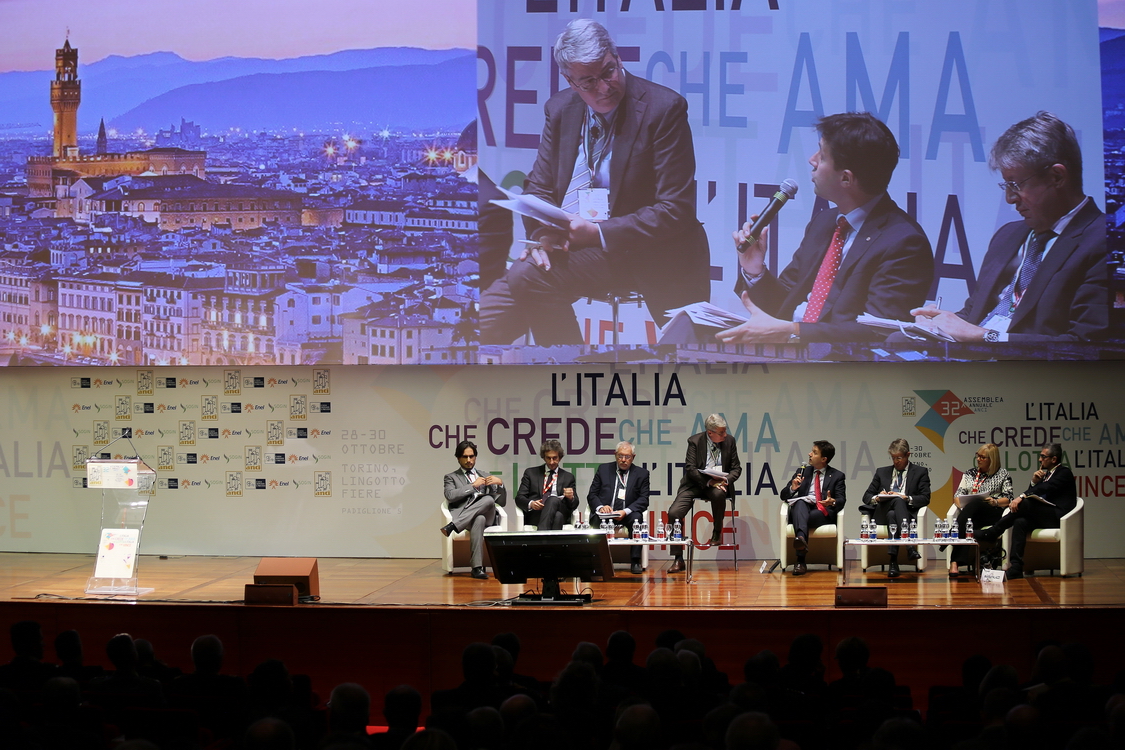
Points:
(472, 496)
(621, 488)
(864, 255)
(895, 494)
(1044, 277)
(826, 487)
(546, 495)
(711, 449)
(1054, 483)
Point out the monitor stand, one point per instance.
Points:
(552, 596)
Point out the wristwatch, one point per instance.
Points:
(992, 336)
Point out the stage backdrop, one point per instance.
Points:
(349, 461)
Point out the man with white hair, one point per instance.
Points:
(712, 450)
(616, 153)
(621, 489)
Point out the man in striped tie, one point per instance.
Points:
(616, 153)
(547, 492)
(864, 255)
(1044, 277)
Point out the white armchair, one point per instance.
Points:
(455, 547)
(1062, 549)
(826, 543)
(881, 552)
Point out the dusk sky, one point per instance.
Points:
(1111, 13)
(31, 30)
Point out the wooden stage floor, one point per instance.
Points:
(384, 622)
(421, 583)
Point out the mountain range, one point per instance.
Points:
(394, 86)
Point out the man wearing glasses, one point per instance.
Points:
(616, 153)
(1053, 485)
(710, 452)
(621, 489)
(1045, 277)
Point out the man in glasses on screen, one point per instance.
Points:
(1044, 277)
(616, 153)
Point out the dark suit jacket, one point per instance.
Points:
(531, 488)
(653, 235)
(698, 447)
(605, 479)
(917, 488)
(1068, 299)
(1059, 488)
(887, 271)
(834, 485)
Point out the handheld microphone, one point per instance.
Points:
(800, 470)
(787, 190)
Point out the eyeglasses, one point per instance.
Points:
(1043, 456)
(624, 456)
(1017, 187)
(591, 82)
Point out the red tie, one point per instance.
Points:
(819, 499)
(827, 273)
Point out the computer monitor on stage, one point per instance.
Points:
(549, 555)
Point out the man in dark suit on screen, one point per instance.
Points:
(547, 493)
(616, 153)
(1054, 483)
(472, 496)
(864, 255)
(1044, 278)
(895, 494)
(827, 492)
(712, 449)
(621, 488)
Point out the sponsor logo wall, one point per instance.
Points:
(349, 461)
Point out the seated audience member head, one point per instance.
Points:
(663, 669)
(68, 647)
(122, 652)
(691, 668)
(486, 728)
(574, 690)
(517, 709)
(589, 653)
(27, 639)
(805, 652)
(620, 647)
(716, 723)
(750, 696)
(753, 730)
(429, 739)
(207, 654)
(852, 655)
(669, 638)
(478, 663)
(349, 709)
(638, 728)
(860, 144)
(62, 696)
(899, 734)
(1041, 163)
(402, 707)
(269, 734)
(762, 668)
(504, 665)
(510, 642)
(269, 684)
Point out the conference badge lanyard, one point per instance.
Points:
(593, 202)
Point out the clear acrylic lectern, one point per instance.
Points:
(126, 485)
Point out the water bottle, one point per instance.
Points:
(644, 530)
(937, 528)
(953, 534)
(660, 529)
(677, 531)
(913, 528)
(636, 531)
(905, 530)
(945, 530)
(863, 528)
(969, 529)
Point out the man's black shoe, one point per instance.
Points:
(913, 553)
(677, 566)
(800, 569)
(447, 529)
(636, 569)
(800, 545)
(479, 574)
(1014, 574)
(892, 570)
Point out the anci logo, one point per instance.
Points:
(945, 409)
